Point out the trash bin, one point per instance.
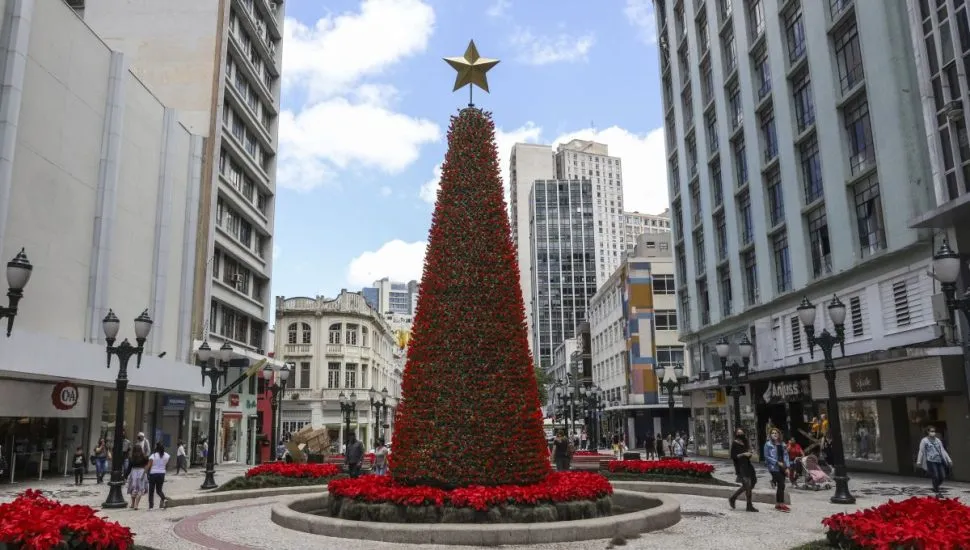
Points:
(629, 455)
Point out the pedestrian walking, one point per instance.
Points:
(157, 463)
(679, 447)
(933, 458)
(776, 458)
(649, 448)
(137, 476)
(583, 440)
(181, 461)
(78, 465)
(741, 456)
(560, 451)
(659, 446)
(101, 456)
(353, 455)
(380, 458)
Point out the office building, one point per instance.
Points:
(563, 259)
(389, 297)
(636, 224)
(797, 159)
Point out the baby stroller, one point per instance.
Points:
(815, 477)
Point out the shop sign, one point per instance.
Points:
(233, 399)
(714, 398)
(174, 403)
(64, 396)
(866, 380)
(787, 391)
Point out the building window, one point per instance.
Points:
(305, 329)
(861, 437)
(665, 319)
(710, 124)
(703, 39)
(734, 105)
(740, 163)
(769, 137)
(305, 375)
(670, 355)
(350, 375)
(804, 101)
(707, 82)
(745, 219)
(664, 284)
(836, 7)
(333, 375)
(795, 327)
(818, 238)
(703, 304)
(723, 10)
(782, 262)
(795, 34)
(861, 152)
(729, 52)
(700, 263)
(724, 288)
(848, 54)
(776, 200)
(687, 102)
(691, 147)
(351, 335)
(855, 316)
(695, 203)
(291, 334)
(717, 188)
(749, 265)
(756, 18)
(868, 211)
(335, 333)
(720, 235)
(684, 312)
(762, 73)
(811, 170)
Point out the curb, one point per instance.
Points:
(664, 512)
(694, 489)
(229, 496)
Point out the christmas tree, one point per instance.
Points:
(470, 412)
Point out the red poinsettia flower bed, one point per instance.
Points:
(293, 469)
(662, 467)
(918, 523)
(35, 522)
(557, 487)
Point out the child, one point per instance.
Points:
(78, 466)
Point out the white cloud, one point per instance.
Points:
(348, 123)
(527, 133)
(336, 52)
(398, 260)
(644, 164)
(499, 8)
(640, 14)
(335, 134)
(386, 191)
(543, 50)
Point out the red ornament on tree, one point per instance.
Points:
(470, 411)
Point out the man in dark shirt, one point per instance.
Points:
(353, 455)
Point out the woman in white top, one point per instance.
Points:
(156, 475)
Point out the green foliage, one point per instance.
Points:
(543, 381)
(242, 483)
(815, 545)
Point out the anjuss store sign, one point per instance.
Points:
(785, 391)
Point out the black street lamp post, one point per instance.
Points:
(592, 397)
(377, 407)
(124, 351)
(216, 371)
(826, 341)
(946, 267)
(670, 381)
(18, 273)
(735, 371)
(348, 406)
(277, 390)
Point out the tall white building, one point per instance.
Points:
(99, 184)
(390, 297)
(636, 224)
(529, 162)
(218, 62)
(339, 346)
(797, 158)
(588, 160)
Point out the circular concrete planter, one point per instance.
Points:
(653, 512)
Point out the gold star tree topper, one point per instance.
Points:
(471, 68)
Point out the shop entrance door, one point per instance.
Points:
(30, 448)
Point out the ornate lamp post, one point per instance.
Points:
(946, 266)
(348, 406)
(277, 390)
(216, 371)
(670, 381)
(377, 407)
(592, 396)
(18, 274)
(735, 371)
(124, 351)
(827, 341)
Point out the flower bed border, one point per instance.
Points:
(686, 469)
(542, 512)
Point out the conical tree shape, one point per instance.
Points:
(470, 413)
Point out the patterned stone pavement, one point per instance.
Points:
(707, 523)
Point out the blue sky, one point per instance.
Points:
(367, 100)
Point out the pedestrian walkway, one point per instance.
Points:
(707, 523)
